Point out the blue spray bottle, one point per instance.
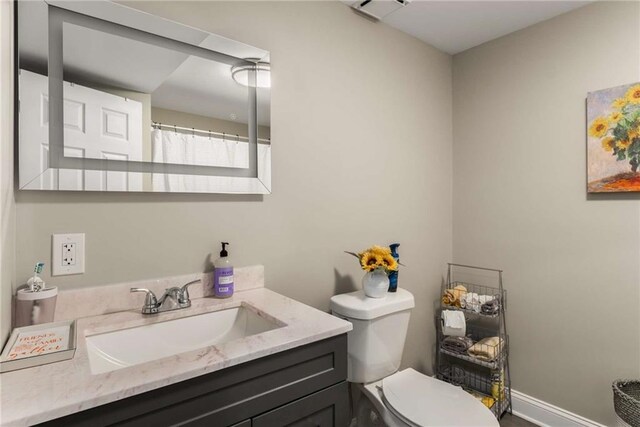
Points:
(393, 275)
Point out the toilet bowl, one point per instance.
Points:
(388, 396)
(409, 398)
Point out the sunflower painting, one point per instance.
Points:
(613, 141)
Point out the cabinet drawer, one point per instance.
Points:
(229, 396)
(326, 408)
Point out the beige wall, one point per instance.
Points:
(571, 262)
(7, 202)
(362, 137)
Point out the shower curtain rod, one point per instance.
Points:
(229, 136)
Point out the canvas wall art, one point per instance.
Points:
(613, 141)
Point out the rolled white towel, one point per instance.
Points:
(473, 301)
(453, 323)
(483, 299)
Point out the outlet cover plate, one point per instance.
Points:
(67, 254)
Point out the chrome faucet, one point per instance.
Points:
(173, 299)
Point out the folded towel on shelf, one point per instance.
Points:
(490, 307)
(457, 344)
(459, 291)
(453, 323)
(453, 297)
(454, 374)
(483, 299)
(448, 299)
(473, 301)
(486, 349)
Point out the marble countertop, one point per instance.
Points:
(43, 393)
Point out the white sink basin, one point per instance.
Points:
(128, 347)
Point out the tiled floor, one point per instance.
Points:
(513, 421)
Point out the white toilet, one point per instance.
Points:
(398, 398)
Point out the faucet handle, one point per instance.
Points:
(183, 296)
(150, 301)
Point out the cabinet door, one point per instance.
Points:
(326, 408)
(245, 423)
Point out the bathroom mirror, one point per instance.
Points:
(113, 99)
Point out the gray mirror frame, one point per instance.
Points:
(57, 16)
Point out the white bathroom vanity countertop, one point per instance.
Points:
(43, 393)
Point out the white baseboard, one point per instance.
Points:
(545, 414)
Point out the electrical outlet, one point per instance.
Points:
(67, 254)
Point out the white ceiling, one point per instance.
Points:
(203, 87)
(455, 26)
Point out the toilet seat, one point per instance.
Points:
(422, 401)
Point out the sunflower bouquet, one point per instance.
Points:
(619, 132)
(376, 257)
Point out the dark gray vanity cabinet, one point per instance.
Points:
(317, 410)
(302, 387)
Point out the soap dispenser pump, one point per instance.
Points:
(223, 274)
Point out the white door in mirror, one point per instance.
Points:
(67, 254)
(97, 125)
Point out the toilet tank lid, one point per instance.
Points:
(356, 305)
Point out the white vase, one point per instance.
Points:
(375, 283)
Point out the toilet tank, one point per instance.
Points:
(380, 326)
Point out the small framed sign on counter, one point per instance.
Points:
(38, 345)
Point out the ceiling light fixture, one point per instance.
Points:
(240, 73)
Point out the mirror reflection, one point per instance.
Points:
(134, 101)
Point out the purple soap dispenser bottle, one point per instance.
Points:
(223, 274)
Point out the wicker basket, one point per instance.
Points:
(626, 400)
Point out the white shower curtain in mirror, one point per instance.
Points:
(188, 149)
